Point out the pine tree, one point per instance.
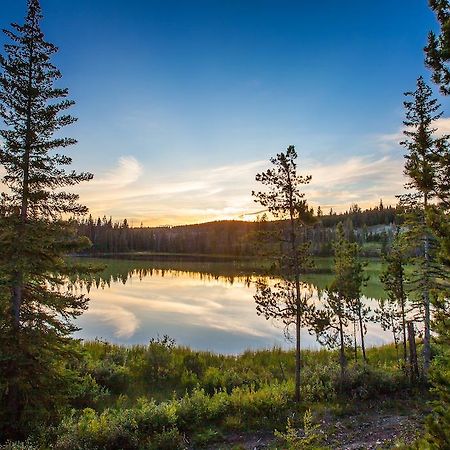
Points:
(287, 300)
(36, 310)
(342, 303)
(438, 48)
(331, 323)
(393, 311)
(424, 150)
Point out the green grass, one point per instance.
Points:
(159, 395)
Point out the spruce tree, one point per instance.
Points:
(36, 309)
(287, 300)
(437, 50)
(424, 151)
(343, 303)
(437, 218)
(393, 311)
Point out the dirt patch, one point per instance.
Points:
(364, 430)
(372, 431)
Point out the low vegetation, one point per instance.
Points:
(162, 396)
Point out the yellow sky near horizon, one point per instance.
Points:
(129, 189)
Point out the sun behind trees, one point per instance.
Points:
(36, 310)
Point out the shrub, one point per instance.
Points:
(110, 430)
(318, 383)
(111, 376)
(363, 382)
(294, 439)
(206, 437)
(170, 439)
(28, 445)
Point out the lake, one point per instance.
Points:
(204, 305)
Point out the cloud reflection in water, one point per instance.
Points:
(206, 313)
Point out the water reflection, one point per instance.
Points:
(206, 306)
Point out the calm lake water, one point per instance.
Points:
(204, 305)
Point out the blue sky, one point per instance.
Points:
(180, 103)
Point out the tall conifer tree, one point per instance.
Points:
(424, 151)
(284, 200)
(36, 310)
(438, 48)
(393, 310)
(342, 302)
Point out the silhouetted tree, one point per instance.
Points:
(342, 301)
(35, 311)
(422, 169)
(393, 311)
(438, 48)
(284, 200)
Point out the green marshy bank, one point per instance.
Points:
(161, 395)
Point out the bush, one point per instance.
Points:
(364, 382)
(149, 422)
(294, 439)
(206, 437)
(319, 383)
(28, 445)
(110, 430)
(170, 439)
(116, 379)
(268, 404)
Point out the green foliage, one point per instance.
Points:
(426, 168)
(320, 383)
(288, 300)
(251, 391)
(438, 423)
(342, 303)
(170, 439)
(37, 355)
(392, 312)
(236, 404)
(28, 445)
(206, 437)
(154, 424)
(366, 382)
(295, 439)
(438, 47)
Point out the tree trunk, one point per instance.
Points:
(14, 409)
(413, 365)
(297, 294)
(426, 302)
(361, 330)
(342, 358)
(405, 353)
(297, 355)
(394, 335)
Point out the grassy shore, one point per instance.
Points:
(163, 396)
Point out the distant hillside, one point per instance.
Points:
(372, 228)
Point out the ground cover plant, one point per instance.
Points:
(162, 395)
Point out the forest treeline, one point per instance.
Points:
(236, 238)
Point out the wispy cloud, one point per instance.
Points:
(121, 319)
(130, 190)
(392, 140)
(362, 180)
(127, 171)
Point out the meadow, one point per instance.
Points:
(163, 396)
